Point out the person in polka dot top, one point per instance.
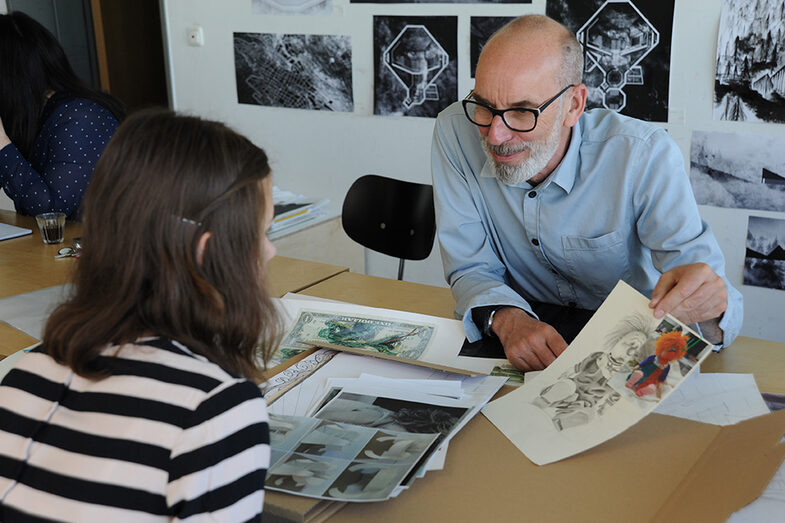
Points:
(53, 128)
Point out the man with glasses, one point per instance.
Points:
(542, 207)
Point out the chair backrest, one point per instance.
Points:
(390, 216)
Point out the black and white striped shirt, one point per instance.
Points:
(168, 436)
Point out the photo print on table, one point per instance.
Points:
(294, 70)
(415, 64)
(764, 261)
(749, 81)
(480, 29)
(390, 413)
(627, 52)
(292, 7)
(744, 171)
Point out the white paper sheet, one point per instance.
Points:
(715, 398)
(28, 312)
(8, 231)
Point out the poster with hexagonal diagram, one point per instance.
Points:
(415, 64)
(627, 48)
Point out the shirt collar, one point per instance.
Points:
(565, 172)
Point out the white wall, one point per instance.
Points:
(320, 153)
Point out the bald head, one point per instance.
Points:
(538, 33)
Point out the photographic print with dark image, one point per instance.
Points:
(750, 76)
(742, 171)
(294, 70)
(415, 64)
(627, 52)
(764, 261)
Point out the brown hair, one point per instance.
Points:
(162, 181)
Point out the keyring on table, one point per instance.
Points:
(66, 252)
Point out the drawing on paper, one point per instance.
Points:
(637, 364)
(764, 262)
(750, 76)
(297, 71)
(415, 64)
(619, 368)
(292, 7)
(395, 338)
(626, 52)
(744, 171)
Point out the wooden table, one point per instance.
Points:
(456, 493)
(386, 293)
(27, 263)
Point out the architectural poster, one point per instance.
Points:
(294, 70)
(627, 50)
(415, 64)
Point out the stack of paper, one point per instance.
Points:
(12, 231)
(292, 209)
(367, 434)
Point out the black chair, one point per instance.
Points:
(390, 216)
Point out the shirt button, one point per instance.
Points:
(572, 304)
(535, 241)
(532, 194)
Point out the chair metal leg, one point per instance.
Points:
(400, 269)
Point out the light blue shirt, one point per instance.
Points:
(618, 206)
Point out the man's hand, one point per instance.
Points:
(528, 343)
(693, 293)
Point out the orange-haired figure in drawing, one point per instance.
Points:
(653, 371)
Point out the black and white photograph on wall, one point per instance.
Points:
(480, 29)
(294, 70)
(627, 52)
(415, 64)
(743, 171)
(292, 7)
(750, 78)
(764, 262)
(441, 1)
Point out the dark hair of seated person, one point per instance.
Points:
(33, 64)
(163, 181)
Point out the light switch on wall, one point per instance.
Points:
(195, 35)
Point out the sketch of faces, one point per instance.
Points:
(584, 393)
(622, 355)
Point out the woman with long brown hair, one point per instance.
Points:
(140, 402)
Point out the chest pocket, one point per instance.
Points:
(596, 263)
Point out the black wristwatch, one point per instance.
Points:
(487, 325)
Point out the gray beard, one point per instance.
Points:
(540, 153)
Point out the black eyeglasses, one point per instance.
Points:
(519, 119)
